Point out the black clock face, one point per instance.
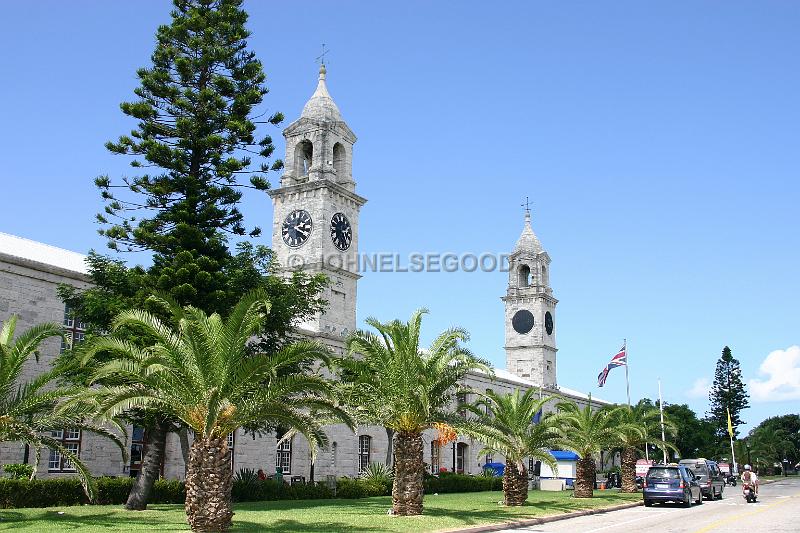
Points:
(522, 321)
(341, 232)
(548, 323)
(297, 228)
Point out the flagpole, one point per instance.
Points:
(627, 361)
(730, 434)
(661, 409)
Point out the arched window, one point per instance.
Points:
(303, 156)
(524, 276)
(283, 457)
(339, 160)
(364, 445)
(544, 275)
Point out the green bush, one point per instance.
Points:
(168, 491)
(19, 471)
(362, 488)
(449, 482)
(113, 490)
(40, 493)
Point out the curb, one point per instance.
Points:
(545, 519)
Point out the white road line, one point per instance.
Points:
(630, 521)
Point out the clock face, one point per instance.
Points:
(297, 228)
(522, 321)
(548, 323)
(341, 231)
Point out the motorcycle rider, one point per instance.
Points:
(748, 476)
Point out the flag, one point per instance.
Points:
(730, 425)
(601, 378)
(620, 359)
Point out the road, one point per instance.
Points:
(778, 510)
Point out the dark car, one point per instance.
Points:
(671, 483)
(709, 476)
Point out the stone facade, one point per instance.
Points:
(318, 180)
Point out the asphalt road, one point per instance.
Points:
(777, 510)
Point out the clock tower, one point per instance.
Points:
(315, 211)
(530, 312)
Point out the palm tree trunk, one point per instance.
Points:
(585, 475)
(628, 467)
(208, 486)
(515, 484)
(407, 486)
(154, 445)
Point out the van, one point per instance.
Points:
(709, 476)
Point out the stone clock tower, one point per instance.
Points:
(315, 216)
(530, 312)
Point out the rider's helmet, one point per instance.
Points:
(747, 467)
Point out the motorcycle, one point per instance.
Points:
(731, 480)
(749, 492)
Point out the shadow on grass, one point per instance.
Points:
(67, 522)
(295, 526)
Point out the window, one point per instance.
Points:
(283, 457)
(461, 456)
(339, 160)
(364, 443)
(71, 440)
(74, 330)
(435, 457)
(231, 444)
(488, 409)
(489, 459)
(524, 278)
(137, 450)
(461, 400)
(334, 456)
(303, 155)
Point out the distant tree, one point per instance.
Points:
(696, 437)
(775, 439)
(727, 393)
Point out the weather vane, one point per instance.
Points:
(321, 57)
(527, 206)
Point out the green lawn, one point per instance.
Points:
(448, 511)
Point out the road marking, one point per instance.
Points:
(650, 515)
(734, 518)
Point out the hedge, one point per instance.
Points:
(114, 491)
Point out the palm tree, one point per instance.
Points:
(30, 411)
(205, 373)
(505, 425)
(586, 431)
(398, 385)
(648, 419)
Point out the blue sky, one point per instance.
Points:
(658, 143)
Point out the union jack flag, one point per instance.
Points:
(620, 359)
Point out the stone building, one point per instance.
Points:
(315, 228)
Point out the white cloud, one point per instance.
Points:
(782, 381)
(700, 388)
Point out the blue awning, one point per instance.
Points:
(561, 455)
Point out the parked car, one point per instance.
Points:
(709, 475)
(671, 483)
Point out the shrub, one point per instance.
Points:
(362, 488)
(378, 473)
(113, 490)
(19, 471)
(40, 493)
(168, 491)
(450, 482)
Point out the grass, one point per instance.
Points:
(448, 511)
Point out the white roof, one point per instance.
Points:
(321, 106)
(44, 254)
(505, 375)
